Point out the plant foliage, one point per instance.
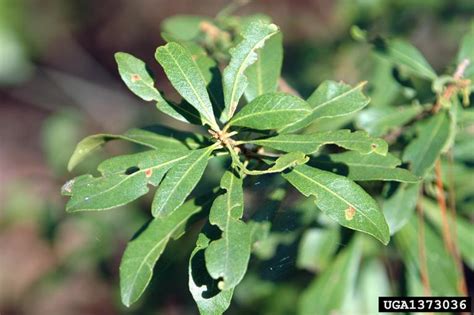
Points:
(256, 128)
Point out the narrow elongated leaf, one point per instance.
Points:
(142, 253)
(341, 199)
(283, 162)
(399, 207)
(384, 88)
(317, 248)
(183, 27)
(378, 121)
(242, 56)
(179, 182)
(288, 160)
(440, 265)
(372, 282)
(464, 147)
(426, 148)
(202, 286)
(210, 73)
(331, 99)
(124, 179)
(227, 258)
(310, 143)
(271, 111)
(136, 76)
(139, 80)
(362, 167)
(404, 54)
(163, 138)
(466, 51)
(208, 68)
(263, 75)
(464, 232)
(154, 140)
(187, 79)
(327, 293)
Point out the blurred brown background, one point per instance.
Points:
(58, 83)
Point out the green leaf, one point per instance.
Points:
(143, 251)
(202, 286)
(209, 70)
(399, 207)
(271, 111)
(263, 75)
(242, 56)
(136, 76)
(163, 138)
(283, 162)
(183, 27)
(327, 293)
(124, 179)
(384, 88)
(373, 282)
(139, 80)
(404, 54)
(317, 248)
(440, 265)
(464, 147)
(341, 199)
(186, 78)
(464, 231)
(331, 99)
(378, 121)
(422, 152)
(466, 51)
(147, 137)
(180, 181)
(227, 258)
(288, 160)
(310, 143)
(364, 167)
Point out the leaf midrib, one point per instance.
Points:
(240, 74)
(144, 261)
(201, 102)
(133, 175)
(426, 147)
(229, 209)
(265, 113)
(326, 103)
(408, 58)
(160, 209)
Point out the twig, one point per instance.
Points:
(454, 87)
(462, 286)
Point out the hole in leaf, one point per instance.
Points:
(201, 276)
(131, 170)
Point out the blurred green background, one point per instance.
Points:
(59, 83)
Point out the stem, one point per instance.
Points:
(448, 242)
(447, 235)
(454, 87)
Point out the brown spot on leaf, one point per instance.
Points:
(374, 146)
(350, 213)
(148, 172)
(136, 77)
